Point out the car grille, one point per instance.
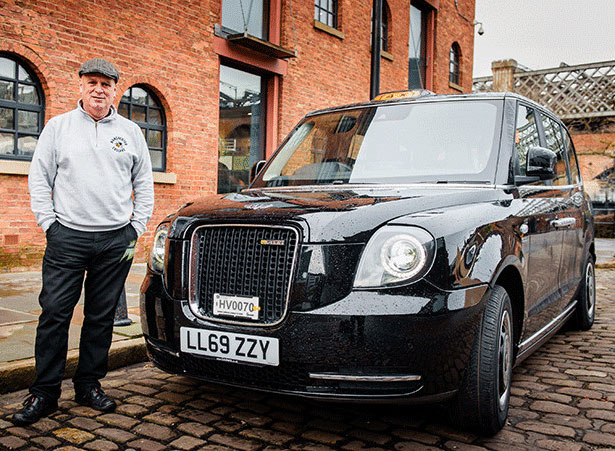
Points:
(238, 260)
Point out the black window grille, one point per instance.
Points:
(141, 105)
(385, 27)
(453, 71)
(325, 11)
(22, 109)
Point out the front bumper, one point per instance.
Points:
(367, 345)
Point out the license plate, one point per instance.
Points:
(236, 306)
(230, 346)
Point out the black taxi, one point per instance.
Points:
(415, 247)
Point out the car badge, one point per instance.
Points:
(272, 242)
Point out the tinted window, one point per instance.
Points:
(554, 142)
(423, 142)
(526, 136)
(572, 159)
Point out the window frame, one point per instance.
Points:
(332, 14)
(17, 106)
(146, 125)
(454, 64)
(544, 143)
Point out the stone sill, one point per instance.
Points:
(16, 167)
(327, 29)
(455, 86)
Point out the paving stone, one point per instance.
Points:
(553, 407)
(83, 411)
(163, 419)
(257, 407)
(200, 404)
(576, 421)
(115, 435)
(327, 425)
(12, 442)
(322, 437)
(595, 404)
(198, 415)
(146, 445)
(462, 446)
(266, 435)
(545, 428)
(144, 401)
(101, 445)
(138, 388)
(229, 426)
(558, 445)
(608, 415)
(250, 418)
(414, 446)
(131, 410)
(195, 429)
(117, 420)
(173, 397)
(599, 438)
(22, 432)
(45, 425)
(186, 443)
(370, 436)
(73, 435)
(234, 442)
(85, 423)
(409, 434)
(288, 428)
(46, 442)
(154, 431)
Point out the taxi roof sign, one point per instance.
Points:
(400, 95)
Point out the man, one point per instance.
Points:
(87, 166)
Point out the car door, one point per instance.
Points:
(574, 239)
(542, 202)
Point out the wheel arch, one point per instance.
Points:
(510, 279)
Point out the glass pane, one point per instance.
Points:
(526, 136)
(123, 110)
(27, 94)
(139, 96)
(126, 96)
(7, 68)
(7, 143)
(154, 138)
(28, 121)
(7, 118)
(156, 156)
(138, 113)
(6, 90)
(240, 15)
(144, 132)
(151, 101)
(240, 134)
(26, 145)
(23, 75)
(154, 117)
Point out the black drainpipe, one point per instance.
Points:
(374, 85)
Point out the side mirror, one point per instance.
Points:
(541, 163)
(256, 168)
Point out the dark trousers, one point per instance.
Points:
(71, 254)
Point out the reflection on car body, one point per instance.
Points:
(414, 248)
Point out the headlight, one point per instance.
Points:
(157, 255)
(395, 255)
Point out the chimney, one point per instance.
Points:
(503, 75)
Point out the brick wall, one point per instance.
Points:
(168, 46)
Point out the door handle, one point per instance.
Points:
(564, 222)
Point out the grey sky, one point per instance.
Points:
(543, 33)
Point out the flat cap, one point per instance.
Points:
(99, 66)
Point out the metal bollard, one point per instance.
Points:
(121, 311)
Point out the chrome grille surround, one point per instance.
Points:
(236, 256)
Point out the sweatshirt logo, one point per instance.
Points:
(119, 144)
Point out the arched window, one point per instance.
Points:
(22, 110)
(140, 105)
(453, 71)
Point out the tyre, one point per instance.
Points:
(481, 405)
(586, 298)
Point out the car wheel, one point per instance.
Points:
(482, 402)
(586, 298)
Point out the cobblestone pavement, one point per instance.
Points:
(563, 398)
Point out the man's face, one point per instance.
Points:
(97, 94)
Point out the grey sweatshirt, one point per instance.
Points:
(83, 173)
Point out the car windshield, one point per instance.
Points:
(442, 141)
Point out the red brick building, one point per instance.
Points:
(214, 88)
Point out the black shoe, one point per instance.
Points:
(95, 398)
(34, 408)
